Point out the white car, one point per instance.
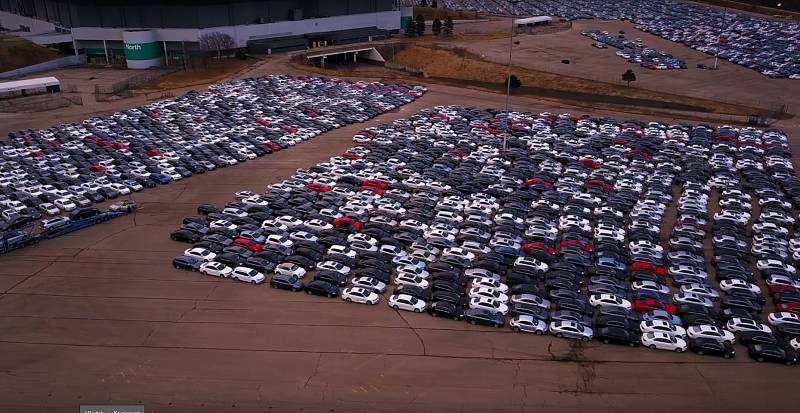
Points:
(65, 204)
(342, 250)
(333, 266)
(248, 275)
(662, 326)
(488, 292)
(407, 303)
(370, 283)
(412, 279)
(650, 286)
(608, 300)
(215, 268)
(49, 209)
(531, 299)
(663, 341)
(701, 290)
(489, 304)
(490, 283)
(289, 269)
(737, 324)
(360, 295)
(779, 318)
(691, 298)
(733, 283)
(712, 332)
(531, 263)
(459, 252)
(481, 273)
(775, 265)
(221, 223)
(528, 324)
(200, 253)
(571, 329)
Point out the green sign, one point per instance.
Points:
(143, 51)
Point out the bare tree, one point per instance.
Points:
(217, 41)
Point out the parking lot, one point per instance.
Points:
(102, 317)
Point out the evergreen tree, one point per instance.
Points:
(420, 25)
(447, 27)
(437, 27)
(629, 76)
(411, 28)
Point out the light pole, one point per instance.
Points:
(508, 75)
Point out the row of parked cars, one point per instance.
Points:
(634, 51)
(560, 234)
(51, 171)
(766, 45)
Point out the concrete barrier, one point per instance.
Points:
(78, 60)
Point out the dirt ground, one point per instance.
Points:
(100, 316)
(731, 83)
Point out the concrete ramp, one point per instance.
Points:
(355, 53)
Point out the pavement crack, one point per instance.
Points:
(313, 373)
(419, 337)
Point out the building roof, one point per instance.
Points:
(26, 84)
(534, 19)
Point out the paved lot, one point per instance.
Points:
(99, 316)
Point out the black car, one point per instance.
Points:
(758, 337)
(185, 235)
(617, 322)
(286, 282)
(230, 259)
(713, 347)
(375, 273)
(332, 277)
(484, 317)
(323, 288)
(260, 264)
(618, 335)
(773, 353)
(529, 309)
(185, 262)
(302, 261)
(452, 277)
(445, 309)
(414, 291)
(452, 298)
(444, 285)
(619, 312)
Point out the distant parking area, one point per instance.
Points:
(768, 46)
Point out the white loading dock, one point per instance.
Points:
(29, 87)
(364, 53)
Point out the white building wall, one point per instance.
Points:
(14, 21)
(389, 20)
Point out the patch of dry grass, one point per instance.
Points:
(460, 65)
(214, 72)
(16, 53)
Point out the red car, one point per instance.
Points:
(788, 307)
(537, 181)
(350, 156)
(590, 163)
(647, 267)
(98, 169)
(650, 304)
(248, 244)
(538, 246)
(318, 188)
(374, 183)
(780, 288)
(347, 223)
(154, 152)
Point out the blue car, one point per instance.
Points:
(662, 315)
(160, 179)
(611, 263)
(642, 294)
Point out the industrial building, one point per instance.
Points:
(148, 33)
